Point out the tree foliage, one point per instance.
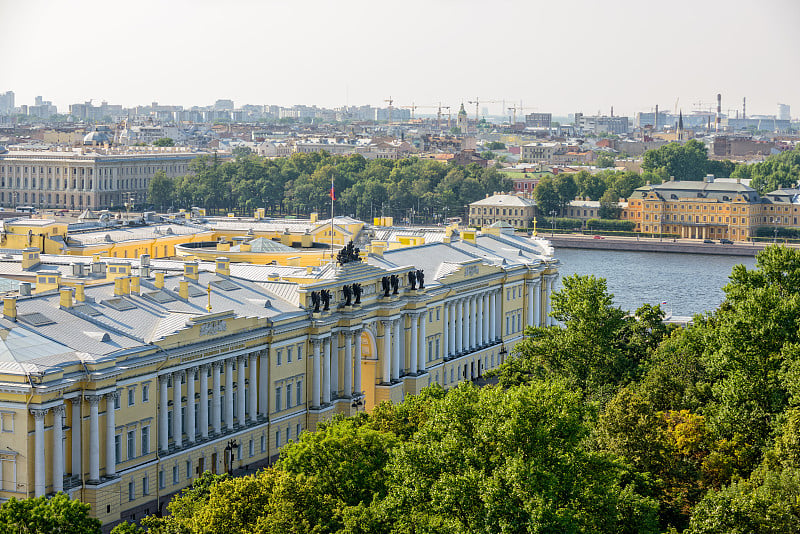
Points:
(779, 170)
(47, 515)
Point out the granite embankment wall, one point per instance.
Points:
(654, 245)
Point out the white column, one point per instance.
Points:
(465, 320)
(191, 429)
(479, 320)
(316, 374)
(240, 385)
(498, 299)
(263, 383)
(202, 374)
(453, 343)
(472, 314)
(487, 313)
(58, 448)
(334, 364)
(94, 436)
(326, 371)
(111, 430)
(387, 351)
(39, 460)
(252, 390)
(459, 326)
(529, 314)
(77, 428)
(548, 290)
(357, 373)
(348, 365)
(493, 316)
(229, 393)
(537, 302)
(163, 410)
(445, 331)
(396, 350)
(216, 392)
(177, 415)
(423, 344)
(414, 342)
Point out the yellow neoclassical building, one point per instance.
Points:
(121, 379)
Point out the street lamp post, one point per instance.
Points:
(229, 458)
(553, 217)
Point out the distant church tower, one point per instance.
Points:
(680, 125)
(462, 122)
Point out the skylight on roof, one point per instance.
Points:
(87, 310)
(225, 285)
(35, 319)
(119, 304)
(161, 297)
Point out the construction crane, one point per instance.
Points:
(412, 107)
(478, 102)
(514, 110)
(390, 101)
(439, 108)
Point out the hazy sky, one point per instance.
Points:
(560, 56)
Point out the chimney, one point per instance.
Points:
(135, 284)
(66, 297)
(744, 107)
(190, 270)
(710, 178)
(655, 127)
(223, 266)
(718, 119)
(183, 288)
(30, 258)
(10, 308)
(144, 265)
(25, 289)
(119, 287)
(80, 294)
(159, 280)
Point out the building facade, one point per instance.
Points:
(516, 211)
(123, 380)
(82, 178)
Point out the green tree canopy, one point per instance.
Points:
(47, 515)
(164, 141)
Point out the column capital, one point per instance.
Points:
(76, 400)
(203, 367)
(114, 395)
(217, 364)
(59, 410)
(39, 413)
(164, 378)
(240, 359)
(93, 399)
(179, 374)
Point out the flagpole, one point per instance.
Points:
(333, 196)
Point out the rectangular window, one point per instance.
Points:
(131, 397)
(131, 491)
(145, 392)
(169, 423)
(250, 448)
(277, 438)
(117, 448)
(188, 469)
(278, 393)
(145, 440)
(299, 352)
(263, 443)
(298, 429)
(288, 395)
(116, 401)
(161, 483)
(299, 392)
(145, 486)
(288, 355)
(278, 357)
(131, 444)
(175, 474)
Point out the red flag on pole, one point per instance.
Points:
(333, 196)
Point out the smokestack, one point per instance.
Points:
(655, 126)
(612, 111)
(718, 119)
(744, 107)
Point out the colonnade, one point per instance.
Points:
(470, 322)
(325, 355)
(539, 302)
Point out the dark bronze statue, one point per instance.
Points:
(421, 278)
(350, 253)
(315, 301)
(348, 294)
(412, 280)
(357, 293)
(325, 295)
(385, 285)
(395, 281)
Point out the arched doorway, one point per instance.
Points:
(369, 367)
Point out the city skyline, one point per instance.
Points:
(582, 57)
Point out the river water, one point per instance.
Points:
(688, 283)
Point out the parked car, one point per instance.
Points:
(709, 241)
(598, 237)
(724, 241)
